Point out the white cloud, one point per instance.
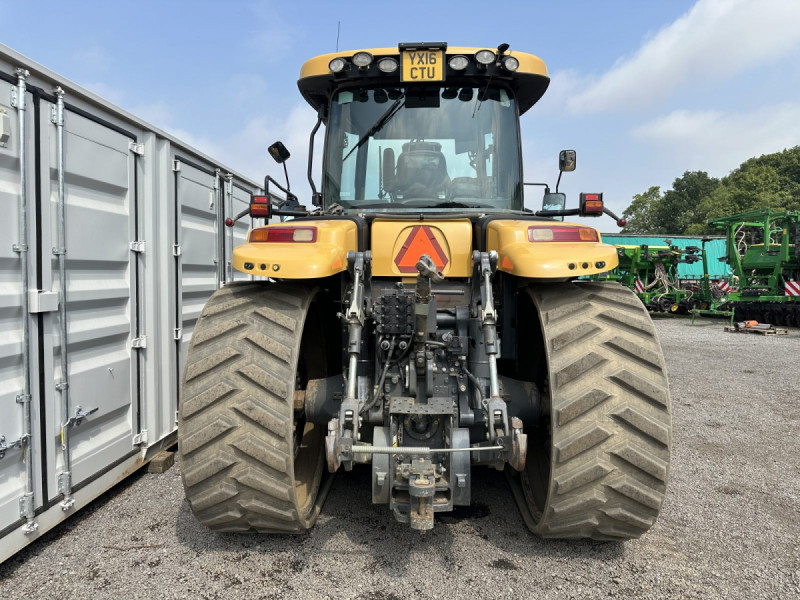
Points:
(717, 141)
(715, 40)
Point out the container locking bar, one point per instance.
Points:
(27, 502)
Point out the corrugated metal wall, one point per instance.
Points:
(715, 250)
(143, 245)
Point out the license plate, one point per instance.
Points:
(420, 66)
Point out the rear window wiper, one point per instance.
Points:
(450, 204)
(384, 118)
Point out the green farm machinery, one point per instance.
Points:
(763, 251)
(652, 273)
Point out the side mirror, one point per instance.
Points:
(566, 161)
(279, 152)
(554, 201)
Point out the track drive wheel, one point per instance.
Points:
(597, 465)
(249, 460)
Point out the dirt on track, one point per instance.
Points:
(730, 527)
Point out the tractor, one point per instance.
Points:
(417, 320)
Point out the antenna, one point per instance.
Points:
(338, 29)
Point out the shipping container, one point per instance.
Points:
(715, 249)
(112, 238)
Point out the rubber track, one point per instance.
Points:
(235, 429)
(610, 415)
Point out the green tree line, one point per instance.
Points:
(769, 181)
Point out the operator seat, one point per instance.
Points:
(421, 171)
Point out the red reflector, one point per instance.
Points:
(545, 233)
(589, 197)
(286, 235)
(260, 207)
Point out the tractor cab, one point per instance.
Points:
(423, 126)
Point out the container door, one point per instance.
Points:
(102, 292)
(196, 248)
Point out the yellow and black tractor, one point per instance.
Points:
(420, 320)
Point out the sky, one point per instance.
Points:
(642, 90)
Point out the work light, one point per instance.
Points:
(458, 63)
(387, 65)
(510, 63)
(337, 65)
(362, 59)
(485, 57)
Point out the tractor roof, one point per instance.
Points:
(317, 82)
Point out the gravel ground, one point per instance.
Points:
(730, 527)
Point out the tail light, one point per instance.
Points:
(260, 207)
(546, 233)
(290, 235)
(591, 205)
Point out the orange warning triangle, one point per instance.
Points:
(420, 241)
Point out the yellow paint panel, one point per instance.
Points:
(448, 242)
(311, 260)
(545, 260)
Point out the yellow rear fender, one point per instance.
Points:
(527, 249)
(305, 249)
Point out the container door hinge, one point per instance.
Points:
(136, 148)
(5, 128)
(140, 438)
(138, 246)
(139, 342)
(54, 115)
(42, 301)
(26, 510)
(64, 482)
(177, 333)
(6, 446)
(176, 165)
(176, 249)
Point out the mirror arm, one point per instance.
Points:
(290, 197)
(316, 197)
(545, 185)
(558, 181)
(567, 212)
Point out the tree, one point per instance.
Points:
(678, 208)
(641, 212)
(768, 181)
